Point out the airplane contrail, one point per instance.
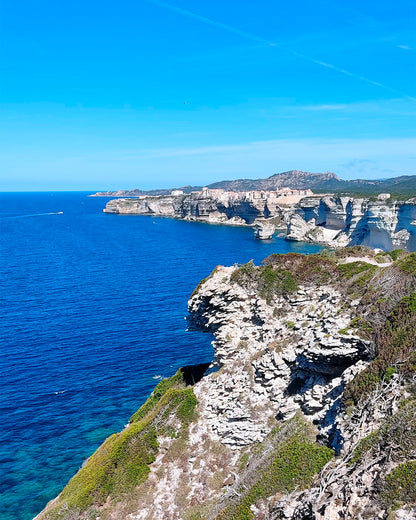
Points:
(209, 21)
(245, 34)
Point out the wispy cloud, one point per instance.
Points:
(343, 147)
(214, 23)
(350, 158)
(324, 108)
(405, 47)
(388, 107)
(245, 34)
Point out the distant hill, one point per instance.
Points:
(404, 186)
(137, 193)
(294, 179)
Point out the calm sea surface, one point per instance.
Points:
(93, 309)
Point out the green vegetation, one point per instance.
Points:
(355, 268)
(316, 269)
(365, 446)
(396, 351)
(156, 395)
(344, 331)
(400, 486)
(275, 282)
(408, 264)
(243, 460)
(293, 464)
(244, 273)
(269, 282)
(396, 437)
(396, 253)
(122, 462)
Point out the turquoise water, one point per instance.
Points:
(93, 312)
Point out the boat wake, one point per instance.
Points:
(36, 214)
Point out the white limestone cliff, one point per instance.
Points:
(329, 220)
(341, 221)
(275, 359)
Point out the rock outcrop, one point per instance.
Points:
(307, 412)
(328, 220)
(342, 221)
(200, 207)
(264, 229)
(279, 359)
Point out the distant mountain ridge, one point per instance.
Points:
(294, 179)
(404, 186)
(328, 182)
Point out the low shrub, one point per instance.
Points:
(158, 392)
(396, 253)
(268, 281)
(396, 351)
(407, 264)
(354, 268)
(294, 464)
(399, 486)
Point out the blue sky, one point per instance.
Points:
(104, 95)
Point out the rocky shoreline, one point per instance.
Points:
(329, 220)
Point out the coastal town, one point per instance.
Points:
(283, 196)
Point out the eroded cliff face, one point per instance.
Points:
(342, 221)
(306, 412)
(196, 206)
(274, 359)
(333, 221)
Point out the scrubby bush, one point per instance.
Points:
(268, 281)
(354, 268)
(396, 350)
(400, 486)
(293, 464)
(396, 253)
(408, 264)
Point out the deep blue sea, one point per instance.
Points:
(93, 309)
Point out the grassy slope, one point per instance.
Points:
(122, 461)
(292, 460)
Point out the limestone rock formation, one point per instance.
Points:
(264, 230)
(329, 220)
(307, 412)
(200, 207)
(341, 221)
(263, 379)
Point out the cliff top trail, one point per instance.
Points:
(306, 412)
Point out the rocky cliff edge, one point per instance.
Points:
(306, 412)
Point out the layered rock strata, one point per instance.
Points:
(200, 207)
(275, 359)
(333, 221)
(342, 221)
